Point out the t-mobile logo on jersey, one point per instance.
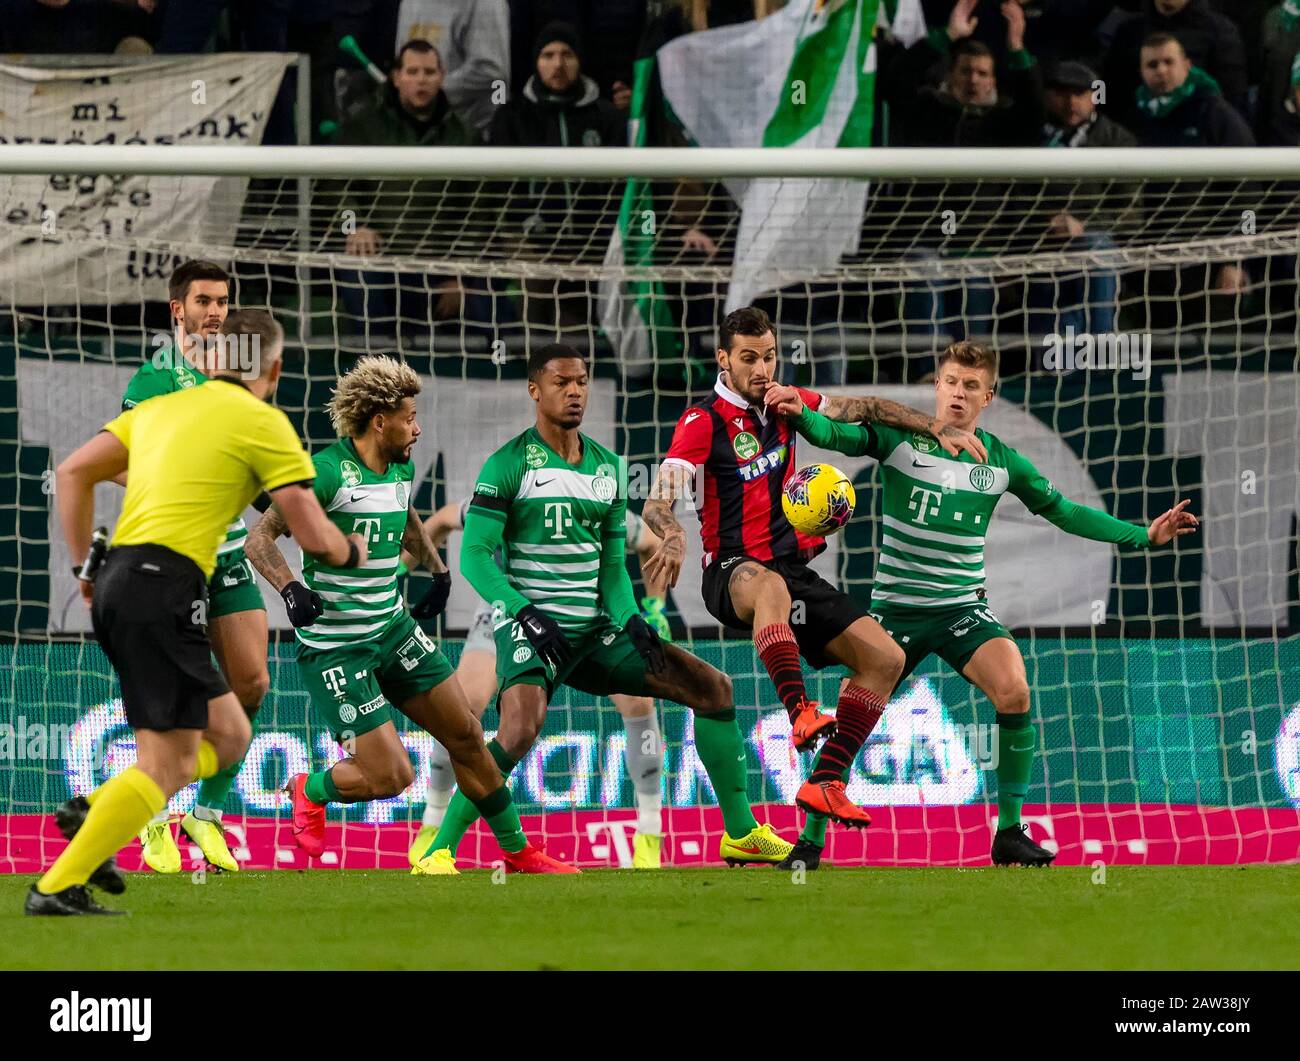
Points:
(559, 517)
(367, 528)
(926, 505)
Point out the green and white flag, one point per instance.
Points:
(803, 77)
(635, 313)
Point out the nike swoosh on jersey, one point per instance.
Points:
(918, 464)
(357, 497)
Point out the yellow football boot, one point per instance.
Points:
(211, 838)
(158, 847)
(645, 850)
(421, 844)
(758, 845)
(440, 864)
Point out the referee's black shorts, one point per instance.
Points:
(826, 612)
(149, 621)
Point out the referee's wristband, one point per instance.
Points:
(354, 554)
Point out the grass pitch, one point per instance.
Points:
(1061, 918)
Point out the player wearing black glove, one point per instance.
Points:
(303, 605)
(434, 601)
(647, 642)
(545, 634)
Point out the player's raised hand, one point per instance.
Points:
(954, 441)
(666, 561)
(1173, 524)
(782, 400)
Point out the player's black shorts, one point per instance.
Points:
(826, 612)
(149, 615)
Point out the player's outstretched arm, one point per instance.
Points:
(1043, 499)
(665, 565)
(867, 409)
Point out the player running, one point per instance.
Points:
(756, 564)
(200, 301)
(929, 584)
(476, 671)
(553, 501)
(358, 647)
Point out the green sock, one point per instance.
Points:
(461, 813)
(498, 810)
(320, 788)
(721, 749)
(214, 790)
(814, 826)
(1017, 743)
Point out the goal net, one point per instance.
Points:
(1147, 322)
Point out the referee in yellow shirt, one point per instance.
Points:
(194, 460)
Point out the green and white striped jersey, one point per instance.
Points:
(937, 509)
(558, 520)
(360, 602)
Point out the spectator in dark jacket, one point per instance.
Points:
(968, 109)
(400, 216)
(557, 219)
(1180, 105)
(1210, 40)
(1083, 213)
(1279, 41)
(610, 29)
(1284, 130)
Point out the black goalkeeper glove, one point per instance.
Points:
(647, 642)
(303, 605)
(545, 634)
(433, 602)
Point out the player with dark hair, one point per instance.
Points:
(756, 563)
(203, 325)
(553, 501)
(929, 579)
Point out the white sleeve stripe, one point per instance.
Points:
(679, 463)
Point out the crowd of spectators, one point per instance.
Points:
(555, 73)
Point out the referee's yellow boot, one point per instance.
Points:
(158, 847)
(423, 841)
(211, 838)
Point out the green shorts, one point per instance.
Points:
(953, 634)
(602, 663)
(353, 687)
(232, 587)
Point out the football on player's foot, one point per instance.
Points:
(1013, 847)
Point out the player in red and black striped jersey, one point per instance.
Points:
(756, 573)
